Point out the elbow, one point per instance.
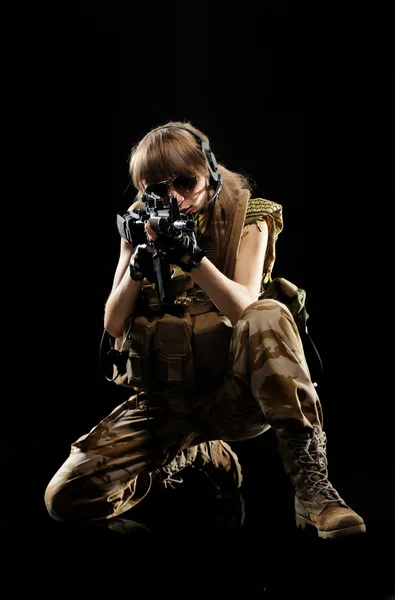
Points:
(241, 308)
(114, 328)
(115, 333)
(253, 293)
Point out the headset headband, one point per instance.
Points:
(210, 160)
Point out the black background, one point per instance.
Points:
(298, 97)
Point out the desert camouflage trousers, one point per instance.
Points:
(267, 384)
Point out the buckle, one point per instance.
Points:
(200, 296)
(153, 299)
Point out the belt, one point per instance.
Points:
(198, 294)
(195, 294)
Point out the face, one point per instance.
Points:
(188, 200)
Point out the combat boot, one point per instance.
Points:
(317, 503)
(215, 459)
(223, 510)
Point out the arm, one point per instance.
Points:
(232, 297)
(124, 293)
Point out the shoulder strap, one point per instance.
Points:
(235, 236)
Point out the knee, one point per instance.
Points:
(267, 309)
(56, 502)
(51, 504)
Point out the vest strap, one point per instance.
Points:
(236, 233)
(152, 296)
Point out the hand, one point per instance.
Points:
(181, 250)
(141, 264)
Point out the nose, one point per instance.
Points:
(171, 190)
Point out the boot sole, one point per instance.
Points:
(336, 533)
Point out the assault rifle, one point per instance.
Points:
(165, 220)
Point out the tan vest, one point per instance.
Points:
(169, 353)
(166, 353)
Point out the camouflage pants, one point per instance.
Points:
(267, 385)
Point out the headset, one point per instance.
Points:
(215, 176)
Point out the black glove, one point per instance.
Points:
(141, 264)
(182, 251)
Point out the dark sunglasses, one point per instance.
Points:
(182, 183)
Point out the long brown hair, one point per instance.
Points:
(169, 150)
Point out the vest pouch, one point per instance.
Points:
(293, 297)
(136, 347)
(212, 333)
(174, 365)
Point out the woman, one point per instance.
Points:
(209, 355)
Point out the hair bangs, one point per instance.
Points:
(164, 154)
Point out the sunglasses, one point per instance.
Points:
(182, 183)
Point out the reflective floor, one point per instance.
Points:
(188, 542)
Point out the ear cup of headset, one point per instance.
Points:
(212, 161)
(215, 177)
(210, 158)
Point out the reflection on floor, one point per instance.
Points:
(188, 542)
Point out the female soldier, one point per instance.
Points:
(210, 354)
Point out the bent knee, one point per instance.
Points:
(59, 498)
(54, 504)
(266, 308)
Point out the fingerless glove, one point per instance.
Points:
(141, 264)
(182, 251)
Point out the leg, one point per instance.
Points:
(269, 384)
(109, 469)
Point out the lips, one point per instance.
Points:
(186, 209)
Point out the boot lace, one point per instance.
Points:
(313, 463)
(170, 480)
(170, 477)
